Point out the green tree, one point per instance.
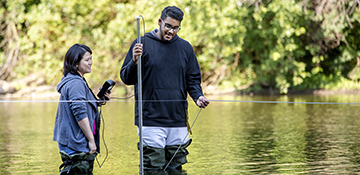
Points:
(278, 44)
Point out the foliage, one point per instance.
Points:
(281, 44)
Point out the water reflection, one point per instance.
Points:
(228, 137)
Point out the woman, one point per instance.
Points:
(77, 119)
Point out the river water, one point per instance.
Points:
(234, 135)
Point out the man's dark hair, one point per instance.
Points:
(172, 12)
(73, 56)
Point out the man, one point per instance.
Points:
(170, 72)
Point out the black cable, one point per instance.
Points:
(103, 137)
(143, 27)
(103, 131)
(118, 98)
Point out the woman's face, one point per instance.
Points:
(85, 64)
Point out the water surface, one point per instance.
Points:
(234, 135)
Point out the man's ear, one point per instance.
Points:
(159, 21)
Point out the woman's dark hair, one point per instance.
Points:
(73, 56)
(172, 12)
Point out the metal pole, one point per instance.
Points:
(140, 110)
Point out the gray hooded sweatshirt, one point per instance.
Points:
(76, 103)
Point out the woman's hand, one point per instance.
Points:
(107, 98)
(92, 147)
(85, 127)
(107, 95)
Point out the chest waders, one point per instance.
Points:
(155, 159)
(77, 164)
(175, 156)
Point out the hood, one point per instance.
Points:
(153, 36)
(66, 79)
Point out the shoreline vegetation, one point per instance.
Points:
(34, 87)
(247, 48)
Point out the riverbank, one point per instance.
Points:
(50, 93)
(38, 92)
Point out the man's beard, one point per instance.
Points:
(162, 35)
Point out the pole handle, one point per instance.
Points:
(138, 29)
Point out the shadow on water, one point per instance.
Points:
(229, 137)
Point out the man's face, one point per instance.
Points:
(168, 28)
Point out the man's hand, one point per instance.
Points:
(202, 102)
(137, 51)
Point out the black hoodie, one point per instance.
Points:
(170, 71)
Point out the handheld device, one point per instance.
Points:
(107, 86)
